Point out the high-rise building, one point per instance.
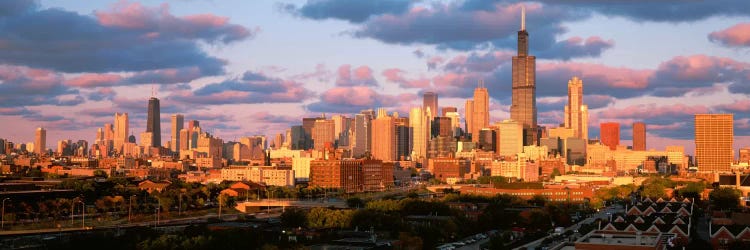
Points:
(610, 134)
(278, 140)
(480, 111)
(576, 113)
(384, 137)
(430, 101)
(40, 141)
(307, 125)
(178, 123)
(744, 155)
(153, 122)
(403, 138)
(523, 107)
(447, 110)
(360, 139)
(441, 126)
(184, 139)
(121, 131)
(469, 110)
(511, 138)
(193, 124)
(420, 129)
(714, 137)
(323, 133)
(639, 136)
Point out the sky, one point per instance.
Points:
(245, 68)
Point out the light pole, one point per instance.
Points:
(130, 207)
(3, 214)
(83, 213)
(158, 208)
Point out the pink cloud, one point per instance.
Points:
(396, 76)
(736, 36)
(736, 106)
(158, 22)
(644, 111)
(94, 80)
(356, 95)
(359, 76)
(618, 77)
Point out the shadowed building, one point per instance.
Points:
(523, 107)
(153, 123)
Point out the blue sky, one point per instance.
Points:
(257, 67)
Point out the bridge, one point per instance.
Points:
(243, 206)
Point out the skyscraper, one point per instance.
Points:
(384, 137)
(468, 109)
(322, 133)
(714, 138)
(430, 101)
(480, 111)
(359, 139)
(178, 122)
(576, 113)
(420, 130)
(403, 137)
(639, 136)
(40, 141)
(523, 107)
(510, 133)
(121, 131)
(610, 134)
(153, 123)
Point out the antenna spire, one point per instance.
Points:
(523, 17)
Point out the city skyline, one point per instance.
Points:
(225, 92)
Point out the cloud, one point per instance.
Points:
(355, 98)
(266, 117)
(24, 86)
(360, 76)
(396, 75)
(577, 47)
(253, 87)
(476, 62)
(682, 74)
(735, 36)
(598, 101)
(321, 74)
(102, 94)
(348, 10)
(123, 39)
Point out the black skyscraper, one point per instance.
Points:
(154, 122)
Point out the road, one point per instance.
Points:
(602, 214)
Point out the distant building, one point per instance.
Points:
(153, 123)
(40, 141)
(714, 137)
(178, 123)
(121, 131)
(384, 137)
(323, 132)
(639, 136)
(511, 138)
(576, 113)
(430, 100)
(610, 134)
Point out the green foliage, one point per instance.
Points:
(384, 205)
(328, 218)
(693, 190)
(654, 186)
(538, 200)
(725, 198)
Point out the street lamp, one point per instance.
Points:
(83, 213)
(158, 209)
(130, 209)
(3, 214)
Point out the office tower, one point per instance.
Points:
(714, 135)
(184, 139)
(430, 101)
(447, 110)
(576, 113)
(370, 115)
(40, 141)
(744, 155)
(486, 139)
(523, 107)
(468, 109)
(146, 139)
(178, 123)
(278, 140)
(153, 123)
(287, 139)
(511, 138)
(359, 138)
(99, 136)
(403, 138)
(297, 137)
(109, 132)
(121, 131)
(455, 122)
(441, 126)
(481, 111)
(610, 134)
(383, 137)
(639, 136)
(192, 124)
(322, 133)
(420, 128)
(308, 124)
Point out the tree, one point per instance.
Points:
(538, 200)
(653, 190)
(355, 202)
(693, 190)
(293, 218)
(725, 198)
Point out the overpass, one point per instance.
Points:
(242, 206)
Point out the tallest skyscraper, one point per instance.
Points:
(153, 123)
(523, 107)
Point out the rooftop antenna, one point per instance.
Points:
(481, 83)
(153, 91)
(523, 17)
